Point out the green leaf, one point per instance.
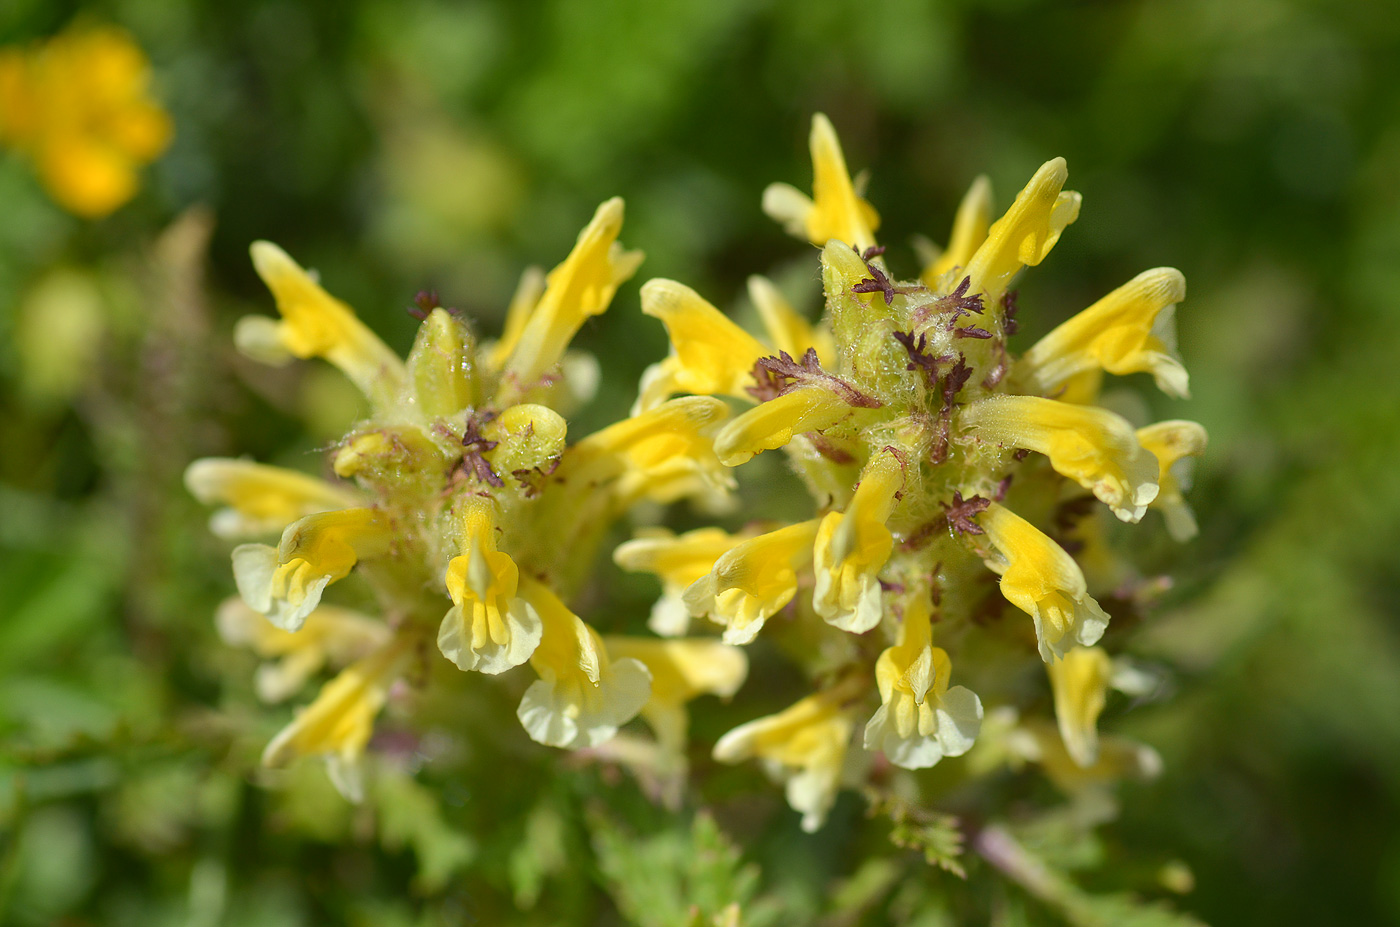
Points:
(935, 835)
(677, 876)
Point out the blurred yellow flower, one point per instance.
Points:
(1080, 682)
(803, 746)
(79, 107)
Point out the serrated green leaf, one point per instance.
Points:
(677, 876)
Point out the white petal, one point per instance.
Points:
(813, 792)
(959, 720)
(253, 566)
(621, 697)
(523, 628)
(347, 774)
(788, 205)
(543, 720)
(915, 752)
(826, 599)
(669, 616)
(290, 616)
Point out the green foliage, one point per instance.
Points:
(935, 835)
(684, 875)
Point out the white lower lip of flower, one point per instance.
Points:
(916, 736)
(256, 569)
(847, 598)
(572, 713)
(490, 643)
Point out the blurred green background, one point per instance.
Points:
(400, 145)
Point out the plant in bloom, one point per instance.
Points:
(79, 107)
(463, 504)
(949, 476)
(939, 461)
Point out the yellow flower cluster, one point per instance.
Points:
(79, 107)
(464, 506)
(933, 453)
(921, 435)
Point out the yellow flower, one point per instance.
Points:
(1026, 233)
(660, 454)
(852, 547)
(679, 561)
(582, 286)
(710, 354)
(787, 329)
(316, 324)
(1173, 444)
(752, 581)
(920, 719)
(1118, 759)
(681, 670)
(285, 582)
(969, 231)
(1092, 446)
(260, 499)
(338, 724)
(330, 637)
(772, 424)
(522, 305)
(79, 107)
(583, 695)
(1131, 330)
(1040, 579)
(804, 745)
(489, 628)
(1080, 681)
(836, 209)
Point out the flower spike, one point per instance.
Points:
(905, 413)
